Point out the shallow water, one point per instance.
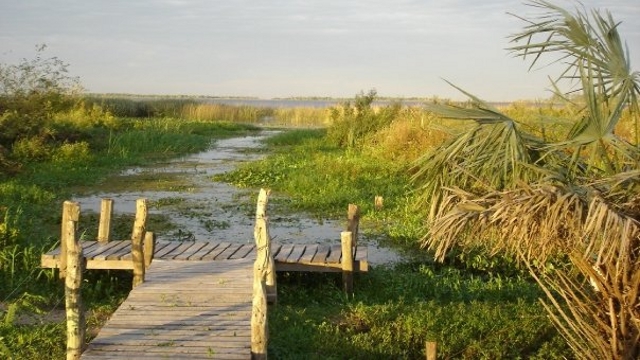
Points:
(206, 210)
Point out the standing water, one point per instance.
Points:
(206, 210)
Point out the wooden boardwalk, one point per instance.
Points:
(183, 310)
(192, 299)
(287, 257)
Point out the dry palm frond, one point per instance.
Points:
(539, 221)
(603, 324)
(536, 222)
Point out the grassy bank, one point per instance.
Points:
(473, 305)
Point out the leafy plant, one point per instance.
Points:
(510, 191)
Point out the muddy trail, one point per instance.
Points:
(195, 207)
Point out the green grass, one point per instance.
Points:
(396, 310)
(473, 306)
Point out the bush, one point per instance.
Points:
(73, 153)
(352, 124)
(30, 93)
(31, 149)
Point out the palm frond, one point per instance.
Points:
(590, 46)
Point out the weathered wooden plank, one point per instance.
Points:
(118, 254)
(118, 245)
(228, 252)
(243, 252)
(166, 332)
(283, 253)
(295, 254)
(309, 253)
(184, 246)
(88, 246)
(275, 249)
(212, 255)
(321, 255)
(160, 254)
(298, 267)
(117, 264)
(120, 352)
(101, 251)
(334, 255)
(190, 251)
(204, 251)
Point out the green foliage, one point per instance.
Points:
(31, 149)
(395, 310)
(76, 153)
(319, 177)
(31, 92)
(350, 125)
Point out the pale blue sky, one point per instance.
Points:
(282, 48)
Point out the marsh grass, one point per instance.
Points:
(201, 110)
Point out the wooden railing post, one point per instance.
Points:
(259, 326)
(68, 213)
(263, 240)
(353, 223)
(263, 280)
(137, 251)
(431, 350)
(75, 264)
(104, 227)
(149, 248)
(346, 239)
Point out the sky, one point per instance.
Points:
(291, 48)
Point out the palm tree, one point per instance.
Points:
(499, 187)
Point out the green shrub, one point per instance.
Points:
(73, 153)
(31, 92)
(350, 125)
(31, 149)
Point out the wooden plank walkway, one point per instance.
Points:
(183, 310)
(288, 257)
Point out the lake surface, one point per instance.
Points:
(207, 210)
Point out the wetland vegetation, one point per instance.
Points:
(448, 172)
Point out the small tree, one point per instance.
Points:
(501, 188)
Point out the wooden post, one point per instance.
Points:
(263, 280)
(137, 252)
(259, 326)
(75, 266)
(431, 350)
(353, 222)
(346, 239)
(149, 248)
(104, 228)
(68, 213)
(263, 241)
